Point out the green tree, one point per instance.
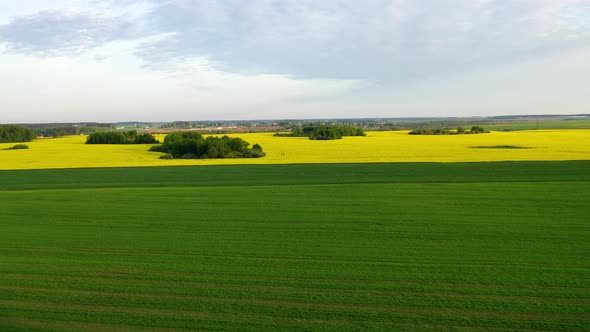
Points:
(15, 134)
(193, 145)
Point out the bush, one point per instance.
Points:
(254, 153)
(18, 147)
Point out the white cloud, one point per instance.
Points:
(91, 87)
(47, 33)
(380, 40)
(555, 84)
(182, 59)
(133, 8)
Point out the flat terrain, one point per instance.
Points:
(396, 146)
(461, 246)
(531, 124)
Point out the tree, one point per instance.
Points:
(190, 145)
(478, 130)
(257, 147)
(445, 131)
(16, 134)
(118, 137)
(145, 138)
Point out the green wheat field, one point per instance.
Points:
(425, 246)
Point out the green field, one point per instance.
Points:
(531, 124)
(461, 246)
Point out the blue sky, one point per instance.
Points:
(157, 60)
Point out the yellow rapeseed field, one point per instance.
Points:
(398, 146)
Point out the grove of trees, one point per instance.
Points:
(192, 145)
(119, 137)
(15, 134)
(446, 131)
(58, 131)
(321, 132)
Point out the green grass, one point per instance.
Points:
(474, 246)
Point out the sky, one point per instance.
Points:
(167, 60)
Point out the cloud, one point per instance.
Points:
(388, 41)
(182, 59)
(92, 87)
(383, 41)
(59, 32)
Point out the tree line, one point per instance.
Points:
(192, 145)
(56, 132)
(15, 134)
(446, 131)
(120, 137)
(322, 132)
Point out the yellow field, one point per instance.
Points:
(71, 152)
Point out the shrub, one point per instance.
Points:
(254, 153)
(18, 147)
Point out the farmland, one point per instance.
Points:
(71, 152)
(385, 246)
(541, 124)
